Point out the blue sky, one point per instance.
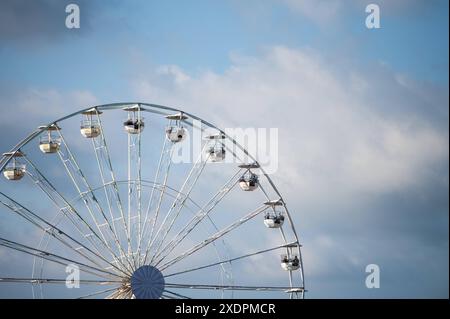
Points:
(368, 174)
(200, 35)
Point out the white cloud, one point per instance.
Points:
(330, 137)
(174, 71)
(44, 104)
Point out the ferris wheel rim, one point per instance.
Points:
(120, 105)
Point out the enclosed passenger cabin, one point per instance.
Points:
(274, 218)
(175, 132)
(290, 263)
(215, 152)
(90, 125)
(14, 170)
(135, 122)
(248, 181)
(49, 142)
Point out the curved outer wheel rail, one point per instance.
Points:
(163, 110)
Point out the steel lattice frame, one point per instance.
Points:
(122, 261)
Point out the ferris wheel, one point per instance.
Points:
(116, 201)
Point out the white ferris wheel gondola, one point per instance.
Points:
(215, 151)
(249, 181)
(290, 263)
(291, 260)
(49, 143)
(14, 170)
(175, 132)
(134, 124)
(273, 217)
(90, 126)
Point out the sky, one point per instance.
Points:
(362, 114)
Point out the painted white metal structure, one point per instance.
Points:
(130, 244)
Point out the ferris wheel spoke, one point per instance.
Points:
(55, 281)
(67, 209)
(111, 190)
(55, 232)
(125, 295)
(177, 295)
(165, 160)
(134, 175)
(120, 293)
(230, 260)
(55, 258)
(198, 217)
(178, 203)
(160, 199)
(214, 237)
(231, 287)
(112, 296)
(91, 202)
(163, 166)
(94, 294)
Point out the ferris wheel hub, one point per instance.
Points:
(147, 282)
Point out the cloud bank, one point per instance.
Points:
(363, 159)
